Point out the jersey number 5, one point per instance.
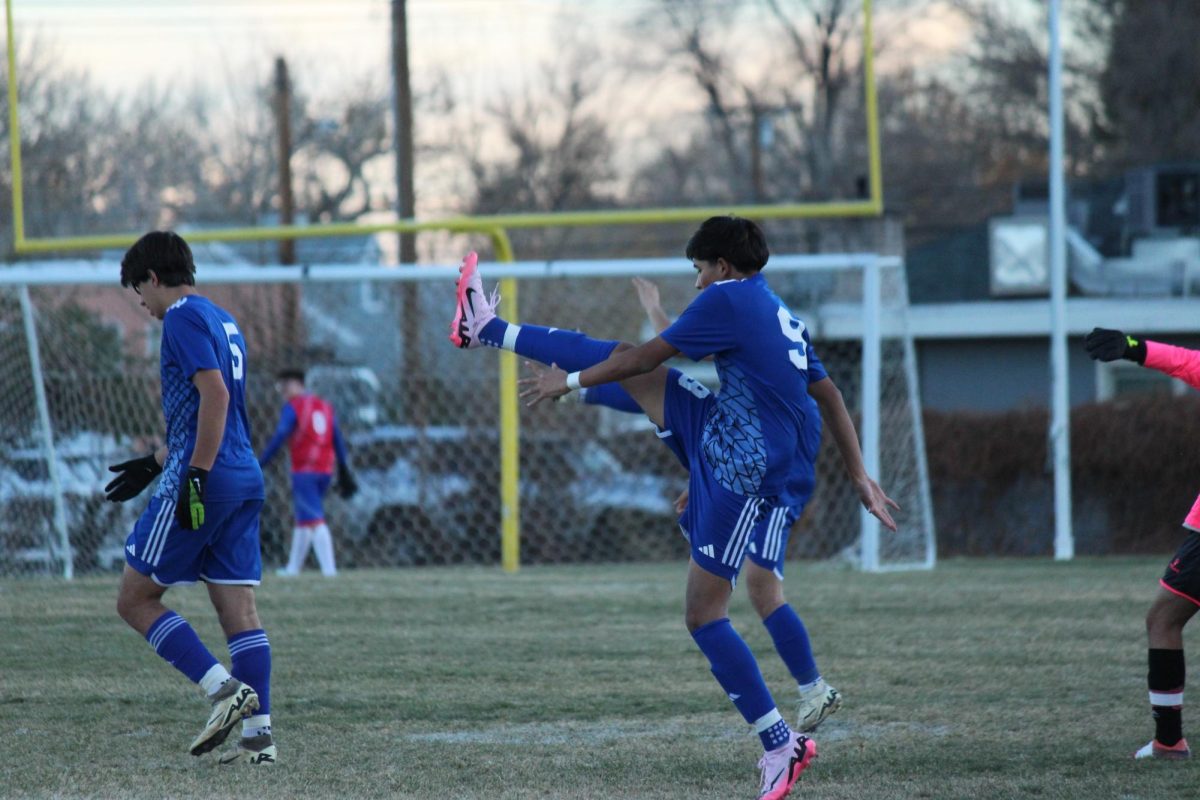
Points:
(239, 358)
(793, 329)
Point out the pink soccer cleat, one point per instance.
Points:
(474, 309)
(1176, 752)
(781, 767)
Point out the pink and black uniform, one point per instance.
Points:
(1182, 576)
(310, 428)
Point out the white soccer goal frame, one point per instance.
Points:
(865, 321)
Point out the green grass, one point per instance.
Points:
(981, 680)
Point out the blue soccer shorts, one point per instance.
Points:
(308, 496)
(224, 550)
(720, 525)
(768, 545)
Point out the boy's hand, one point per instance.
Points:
(681, 503)
(876, 501)
(347, 486)
(547, 383)
(189, 510)
(647, 293)
(133, 476)
(1106, 344)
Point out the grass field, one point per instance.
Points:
(983, 679)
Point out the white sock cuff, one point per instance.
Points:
(212, 680)
(510, 337)
(808, 687)
(256, 725)
(767, 720)
(1166, 698)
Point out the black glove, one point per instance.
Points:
(1105, 344)
(134, 476)
(347, 487)
(189, 510)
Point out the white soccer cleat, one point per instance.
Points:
(474, 309)
(232, 701)
(781, 767)
(1176, 752)
(256, 751)
(816, 705)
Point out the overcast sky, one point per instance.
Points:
(125, 42)
(489, 42)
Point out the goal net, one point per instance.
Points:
(80, 391)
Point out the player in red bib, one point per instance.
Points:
(307, 423)
(1178, 595)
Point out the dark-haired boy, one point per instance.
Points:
(764, 565)
(203, 521)
(740, 443)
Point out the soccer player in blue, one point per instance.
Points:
(202, 522)
(768, 544)
(739, 443)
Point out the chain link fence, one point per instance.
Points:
(421, 419)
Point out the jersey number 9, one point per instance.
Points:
(793, 329)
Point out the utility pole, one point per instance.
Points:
(757, 122)
(402, 141)
(402, 120)
(283, 125)
(290, 297)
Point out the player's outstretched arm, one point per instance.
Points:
(625, 362)
(1105, 344)
(835, 415)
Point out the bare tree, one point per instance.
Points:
(158, 156)
(553, 150)
(781, 83)
(1150, 83)
(64, 126)
(338, 141)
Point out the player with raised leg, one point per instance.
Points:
(739, 443)
(203, 521)
(1179, 588)
(817, 700)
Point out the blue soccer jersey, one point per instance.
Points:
(763, 416)
(199, 335)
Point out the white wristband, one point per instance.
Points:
(573, 381)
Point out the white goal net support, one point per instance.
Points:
(80, 391)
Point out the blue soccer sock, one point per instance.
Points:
(174, 639)
(734, 667)
(251, 655)
(570, 350)
(611, 395)
(791, 642)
